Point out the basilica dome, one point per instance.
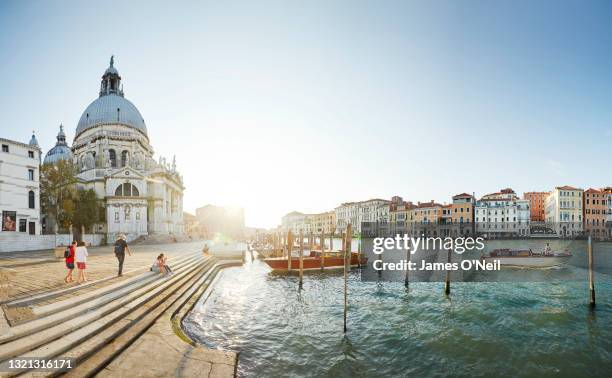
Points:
(111, 108)
(60, 151)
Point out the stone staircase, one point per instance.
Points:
(119, 321)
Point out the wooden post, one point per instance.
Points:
(301, 260)
(359, 253)
(406, 279)
(322, 250)
(289, 245)
(343, 241)
(331, 240)
(447, 283)
(347, 254)
(591, 275)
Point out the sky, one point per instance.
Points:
(292, 105)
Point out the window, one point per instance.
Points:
(112, 155)
(31, 201)
(22, 225)
(124, 158)
(127, 190)
(31, 154)
(31, 174)
(5, 148)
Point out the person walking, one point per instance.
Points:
(81, 261)
(69, 260)
(121, 247)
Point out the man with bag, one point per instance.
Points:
(120, 247)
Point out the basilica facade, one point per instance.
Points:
(112, 151)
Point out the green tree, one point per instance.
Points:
(87, 209)
(58, 191)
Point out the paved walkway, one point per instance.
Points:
(26, 274)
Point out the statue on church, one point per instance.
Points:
(138, 160)
(174, 163)
(88, 161)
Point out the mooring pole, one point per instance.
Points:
(322, 250)
(447, 283)
(289, 245)
(406, 278)
(301, 260)
(347, 254)
(591, 275)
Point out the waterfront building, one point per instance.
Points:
(374, 213)
(536, 204)
(462, 214)
(292, 222)
(608, 197)
(502, 214)
(427, 219)
(20, 187)
(323, 222)
(348, 212)
(114, 157)
(220, 221)
(190, 223)
(564, 210)
(401, 215)
(595, 213)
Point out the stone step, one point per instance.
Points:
(81, 345)
(94, 354)
(181, 355)
(62, 315)
(44, 330)
(27, 300)
(132, 283)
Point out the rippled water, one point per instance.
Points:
(483, 329)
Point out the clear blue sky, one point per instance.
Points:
(287, 105)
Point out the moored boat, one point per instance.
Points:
(331, 260)
(527, 257)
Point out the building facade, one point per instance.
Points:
(114, 157)
(462, 216)
(536, 203)
(595, 213)
(564, 209)
(20, 187)
(502, 214)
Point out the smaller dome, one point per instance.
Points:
(33, 141)
(60, 151)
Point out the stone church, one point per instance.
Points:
(142, 196)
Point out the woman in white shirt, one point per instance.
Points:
(80, 257)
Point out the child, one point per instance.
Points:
(70, 262)
(81, 260)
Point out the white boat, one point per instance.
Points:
(528, 258)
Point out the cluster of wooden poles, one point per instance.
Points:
(346, 249)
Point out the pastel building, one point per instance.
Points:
(595, 203)
(564, 210)
(536, 203)
(463, 214)
(502, 214)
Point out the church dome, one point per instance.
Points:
(60, 151)
(111, 108)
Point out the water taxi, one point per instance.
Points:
(331, 260)
(528, 257)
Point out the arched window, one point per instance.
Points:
(113, 158)
(127, 190)
(31, 201)
(124, 158)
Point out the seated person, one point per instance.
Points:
(160, 265)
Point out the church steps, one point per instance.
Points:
(45, 330)
(81, 346)
(53, 313)
(132, 283)
(31, 299)
(94, 354)
(102, 352)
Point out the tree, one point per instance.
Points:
(57, 192)
(87, 209)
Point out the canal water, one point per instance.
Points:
(482, 329)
